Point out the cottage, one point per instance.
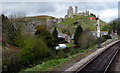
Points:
(101, 33)
(65, 36)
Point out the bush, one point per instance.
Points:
(86, 40)
(35, 49)
(42, 32)
(107, 36)
(73, 51)
(105, 28)
(102, 39)
(33, 52)
(10, 61)
(61, 54)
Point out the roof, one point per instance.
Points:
(100, 31)
(62, 35)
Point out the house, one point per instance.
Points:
(114, 35)
(65, 37)
(101, 33)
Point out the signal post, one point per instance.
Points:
(98, 30)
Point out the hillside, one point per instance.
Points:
(83, 21)
(67, 25)
(42, 19)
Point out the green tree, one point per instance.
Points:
(42, 32)
(78, 32)
(113, 25)
(7, 29)
(34, 50)
(105, 27)
(109, 30)
(19, 37)
(118, 27)
(87, 40)
(55, 35)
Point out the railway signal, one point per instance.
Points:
(98, 29)
(92, 18)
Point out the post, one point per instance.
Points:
(98, 31)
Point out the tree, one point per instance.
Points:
(6, 28)
(113, 25)
(78, 32)
(105, 28)
(42, 32)
(19, 37)
(118, 27)
(109, 30)
(93, 14)
(55, 35)
(86, 40)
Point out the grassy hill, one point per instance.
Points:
(69, 22)
(41, 18)
(86, 23)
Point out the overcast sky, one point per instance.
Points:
(107, 10)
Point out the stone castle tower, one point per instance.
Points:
(76, 10)
(70, 11)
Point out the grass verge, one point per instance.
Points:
(58, 63)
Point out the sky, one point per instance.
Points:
(107, 10)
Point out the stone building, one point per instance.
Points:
(87, 12)
(94, 33)
(58, 20)
(70, 11)
(76, 10)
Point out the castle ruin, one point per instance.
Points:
(70, 12)
(76, 10)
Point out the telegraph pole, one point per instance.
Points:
(98, 31)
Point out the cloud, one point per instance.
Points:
(107, 10)
(110, 14)
(60, 0)
(28, 7)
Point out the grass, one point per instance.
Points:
(86, 23)
(57, 63)
(70, 45)
(49, 65)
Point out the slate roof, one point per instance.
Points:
(62, 35)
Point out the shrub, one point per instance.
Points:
(61, 54)
(105, 28)
(102, 39)
(10, 61)
(34, 49)
(107, 36)
(86, 40)
(33, 52)
(73, 51)
(42, 32)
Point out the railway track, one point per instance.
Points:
(100, 63)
